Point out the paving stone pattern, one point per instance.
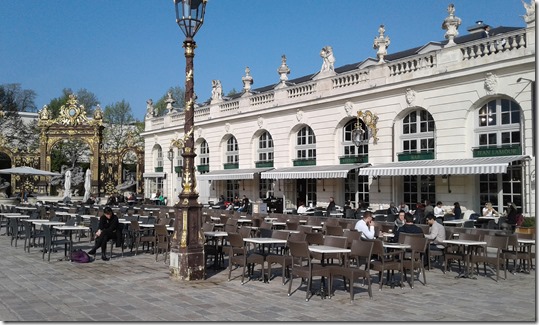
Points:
(136, 288)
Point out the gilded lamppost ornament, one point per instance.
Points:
(359, 137)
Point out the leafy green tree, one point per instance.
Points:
(85, 97)
(178, 94)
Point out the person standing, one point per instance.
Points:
(331, 206)
(366, 226)
(108, 224)
(457, 210)
(429, 209)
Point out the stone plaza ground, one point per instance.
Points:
(136, 288)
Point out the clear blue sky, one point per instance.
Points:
(132, 50)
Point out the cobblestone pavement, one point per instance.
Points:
(136, 288)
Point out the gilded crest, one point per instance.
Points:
(72, 114)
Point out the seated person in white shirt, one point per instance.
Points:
(302, 208)
(366, 226)
(438, 210)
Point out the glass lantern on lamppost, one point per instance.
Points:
(187, 251)
(358, 134)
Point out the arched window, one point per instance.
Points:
(305, 144)
(498, 124)
(418, 132)
(232, 151)
(158, 158)
(349, 148)
(265, 148)
(204, 158)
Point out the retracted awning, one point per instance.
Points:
(230, 174)
(332, 171)
(470, 166)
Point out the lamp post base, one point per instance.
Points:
(187, 266)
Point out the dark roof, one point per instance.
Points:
(390, 57)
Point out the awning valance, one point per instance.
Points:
(230, 174)
(331, 171)
(470, 166)
(154, 175)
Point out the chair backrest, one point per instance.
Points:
(361, 249)
(404, 235)
(235, 240)
(498, 242)
(292, 225)
(265, 233)
(391, 217)
(305, 229)
(379, 217)
(208, 226)
(265, 225)
(468, 224)
(314, 221)
(417, 243)
(135, 226)
(315, 238)
(299, 249)
(231, 228)
(297, 236)
(331, 222)
(335, 241)
(161, 233)
(467, 236)
(245, 232)
(334, 230)
(280, 235)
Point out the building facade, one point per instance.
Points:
(450, 121)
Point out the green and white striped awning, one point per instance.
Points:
(470, 166)
(331, 171)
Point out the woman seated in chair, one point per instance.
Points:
(108, 224)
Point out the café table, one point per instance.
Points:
(263, 241)
(324, 249)
(217, 238)
(470, 247)
(278, 225)
(455, 222)
(70, 230)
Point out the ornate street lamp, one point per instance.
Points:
(187, 251)
(358, 134)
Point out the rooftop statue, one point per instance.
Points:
(328, 59)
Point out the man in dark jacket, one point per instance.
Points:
(108, 225)
(409, 227)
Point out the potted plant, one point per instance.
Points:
(527, 226)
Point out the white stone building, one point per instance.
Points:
(448, 121)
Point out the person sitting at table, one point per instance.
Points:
(404, 206)
(237, 202)
(400, 221)
(436, 233)
(366, 226)
(438, 210)
(419, 213)
(221, 203)
(131, 197)
(409, 227)
(245, 204)
(108, 224)
(111, 200)
(457, 210)
(91, 200)
(392, 209)
(511, 213)
(489, 211)
(302, 208)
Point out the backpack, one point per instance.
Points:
(520, 219)
(80, 256)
